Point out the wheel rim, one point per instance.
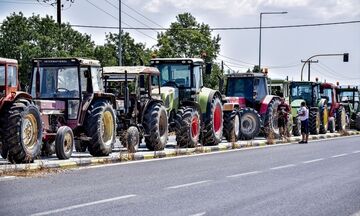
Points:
(68, 142)
(326, 118)
(237, 125)
(217, 118)
(247, 124)
(29, 131)
(107, 127)
(194, 127)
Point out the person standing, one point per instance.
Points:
(303, 115)
(283, 113)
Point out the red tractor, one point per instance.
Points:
(336, 111)
(20, 121)
(248, 107)
(70, 95)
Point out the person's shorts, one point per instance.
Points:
(305, 126)
(281, 122)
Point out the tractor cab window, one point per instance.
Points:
(11, 76)
(57, 82)
(327, 94)
(197, 77)
(302, 91)
(97, 83)
(155, 82)
(175, 74)
(2, 75)
(260, 87)
(241, 87)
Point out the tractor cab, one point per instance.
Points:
(8, 77)
(249, 89)
(349, 95)
(328, 91)
(304, 90)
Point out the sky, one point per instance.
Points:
(282, 49)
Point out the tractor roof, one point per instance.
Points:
(247, 74)
(7, 60)
(328, 85)
(192, 60)
(305, 82)
(130, 70)
(54, 60)
(279, 81)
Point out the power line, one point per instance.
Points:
(225, 28)
(141, 15)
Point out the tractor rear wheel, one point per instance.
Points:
(22, 126)
(64, 142)
(187, 127)
(100, 127)
(324, 121)
(214, 123)
(331, 124)
(250, 124)
(314, 122)
(341, 119)
(271, 127)
(155, 124)
(231, 126)
(297, 127)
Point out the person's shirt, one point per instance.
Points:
(303, 113)
(284, 110)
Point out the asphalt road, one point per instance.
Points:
(319, 178)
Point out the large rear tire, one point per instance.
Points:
(314, 122)
(22, 127)
(214, 123)
(156, 127)
(100, 126)
(231, 129)
(341, 119)
(271, 127)
(187, 127)
(250, 124)
(324, 120)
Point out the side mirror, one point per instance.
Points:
(208, 68)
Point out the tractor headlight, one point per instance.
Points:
(73, 109)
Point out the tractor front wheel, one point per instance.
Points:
(187, 127)
(131, 139)
(214, 123)
(156, 127)
(23, 126)
(324, 121)
(271, 127)
(64, 142)
(314, 122)
(100, 126)
(232, 126)
(331, 126)
(250, 124)
(341, 119)
(297, 127)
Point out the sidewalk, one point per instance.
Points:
(121, 155)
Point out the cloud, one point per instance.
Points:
(235, 8)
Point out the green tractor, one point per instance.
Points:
(318, 113)
(350, 100)
(195, 112)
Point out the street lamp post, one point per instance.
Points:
(283, 12)
(345, 59)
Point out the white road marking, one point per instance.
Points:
(312, 161)
(339, 155)
(199, 214)
(355, 152)
(83, 205)
(282, 167)
(5, 178)
(244, 174)
(188, 184)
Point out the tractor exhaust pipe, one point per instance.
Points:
(126, 102)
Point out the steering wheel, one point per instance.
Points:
(63, 90)
(171, 83)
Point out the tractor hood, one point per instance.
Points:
(51, 106)
(241, 101)
(295, 105)
(170, 96)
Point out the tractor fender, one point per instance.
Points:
(170, 96)
(13, 96)
(265, 103)
(295, 105)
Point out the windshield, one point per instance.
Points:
(57, 82)
(349, 96)
(240, 88)
(2, 75)
(327, 93)
(302, 91)
(175, 73)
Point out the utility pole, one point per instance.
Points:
(309, 62)
(58, 3)
(120, 51)
(222, 67)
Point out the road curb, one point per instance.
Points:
(123, 156)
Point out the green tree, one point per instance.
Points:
(133, 53)
(24, 38)
(188, 38)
